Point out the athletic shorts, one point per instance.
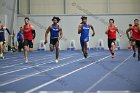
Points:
(82, 40)
(110, 41)
(2, 39)
(53, 41)
(138, 43)
(28, 43)
(132, 40)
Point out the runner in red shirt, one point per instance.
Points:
(111, 32)
(135, 37)
(28, 37)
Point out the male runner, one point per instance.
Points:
(111, 32)
(28, 37)
(83, 29)
(55, 35)
(135, 37)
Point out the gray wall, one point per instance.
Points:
(67, 6)
(70, 23)
(8, 8)
(73, 9)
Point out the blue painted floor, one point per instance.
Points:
(73, 73)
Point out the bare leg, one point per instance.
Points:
(85, 50)
(134, 48)
(85, 47)
(57, 50)
(138, 53)
(26, 54)
(51, 47)
(1, 50)
(1, 47)
(113, 49)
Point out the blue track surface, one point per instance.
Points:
(99, 72)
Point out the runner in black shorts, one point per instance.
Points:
(28, 43)
(55, 35)
(135, 36)
(111, 32)
(110, 41)
(28, 37)
(53, 41)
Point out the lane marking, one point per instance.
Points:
(106, 75)
(54, 80)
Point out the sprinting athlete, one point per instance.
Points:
(135, 37)
(83, 29)
(111, 32)
(55, 35)
(2, 39)
(28, 37)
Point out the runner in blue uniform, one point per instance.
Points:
(2, 39)
(55, 35)
(83, 29)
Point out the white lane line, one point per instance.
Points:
(33, 74)
(18, 65)
(54, 80)
(22, 63)
(29, 61)
(17, 57)
(29, 58)
(106, 75)
(30, 67)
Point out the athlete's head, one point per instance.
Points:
(20, 28)
(2, 25)
(26, 20)
(84, 19)
(136, 22)
(55, 20)
(111, 22)
(130, 25)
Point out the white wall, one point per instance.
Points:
(24, 6)
(66, 6)
(71, 22)
(124, 6)
(47, 6)
(8, 8)
(94, 6)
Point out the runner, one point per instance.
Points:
(55, 35)
(111, 32)
(83, 29)
(28, 37)
(135, 37)
(2, 39)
